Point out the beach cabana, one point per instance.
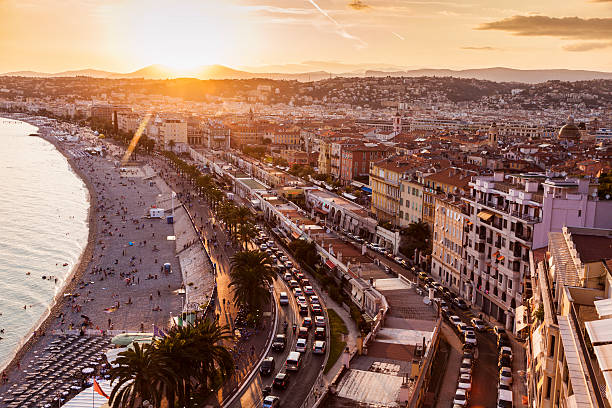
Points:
(88, 398)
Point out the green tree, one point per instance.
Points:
(304, 251)
(251, 275)
(416, 236)
(246, 232)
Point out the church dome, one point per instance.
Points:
(569, 130)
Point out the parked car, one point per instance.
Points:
(505, 376)
(267, 366)
(422, 275)
(461, 397)
(271, 401)
(478, 324)
(503, 361)
(301, 345)
(318, 347)
(502, 340)
(506, 351)
(281, 381)
(279, 343)
(465, 382)
(460, 303)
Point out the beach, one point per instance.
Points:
(120, 284)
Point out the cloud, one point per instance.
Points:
(339, 28)
(480, 48)
(587, 46)
(567, 28)
(358, 5)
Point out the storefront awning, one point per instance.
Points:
(485, 215)
(330, 264)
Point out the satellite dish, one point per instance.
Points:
(426, 300)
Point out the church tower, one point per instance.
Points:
(397, 123)
(493, 135)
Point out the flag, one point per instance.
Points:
(99, 389)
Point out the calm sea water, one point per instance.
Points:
(43, 225)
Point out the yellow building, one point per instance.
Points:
(411, 202)
(449, 181)
(324, 157)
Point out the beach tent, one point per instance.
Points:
(125, 339)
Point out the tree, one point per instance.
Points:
(140, 375)
(304, 251)
(416, 236)
(251, 275)
(246, 232)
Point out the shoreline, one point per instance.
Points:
(57, 303)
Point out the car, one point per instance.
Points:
(297, 292)
(502, 340)
(422, 276)
(506, 351)
(320, 333)
(283, 299)
(461, 397)
(455, 320)
(284, 258)
(503, 361)
(497, 330)
(462, 327)
(504, 387)
(303, 309)
(305, 282)
(269, 251)
(263, 247)
(295, 271)
(478, 324)
(293, 284)
(319, 321)
(315, 300)
(289, 264)
(318, 347)
(301, 345)
(465, 382)
(274, 248)
(271, 401)
(303, 333)
(460, 303)
(279, 343)
(317, 310)
(281, 381)
(299, 276)
(470, 338)
(466, 366)
(398, 259)
(468, 354)
(505, 376)
(301, 299)
(429, 280)
(437, 286)
(307, 322)
(270, 243)
(287, 277)
(267, 366)
(273, 257)
(309, 291)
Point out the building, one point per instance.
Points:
(216, 135)
(102, 113)
(509, 216)
(324, 162)
(288, 136)
(194, 131)
(448, 242)
(571, 309)
(451, 180)
(173, 131)
(411, 202)
(355, 160)
(128, 122)
(295, 157)
(386, 176)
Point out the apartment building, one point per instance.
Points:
(128, 122)
(411, 202)
(324, 162)
(194, 131)
(386, 178)
(355, 160)
(174, 130)
(447, 249)
(512, 215)
(568, 349)
(288, 136)
(451, 180)
(216, 135)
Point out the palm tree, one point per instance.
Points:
(250, 278)
(198, 357)
(246, 232)
(140, 375)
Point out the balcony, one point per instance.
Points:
(526, 217)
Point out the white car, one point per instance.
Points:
(505, 376)
(301, 345)
(288, 264)
(283, 299)
(478, 324)
(297, 292)
(301, 299)
(263, 247)
(466, 366)
(315, 300)
(465, 382)
(309, 291)
(470, 338)
(319, 321)
(462, 327)
(288, 276)
(461, 397)
(318, 347)
(506, 351)
(455, 320)
(284, 258)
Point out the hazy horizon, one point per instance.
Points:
(124, 36)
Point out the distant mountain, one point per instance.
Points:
(497, 74)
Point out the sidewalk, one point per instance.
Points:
(447, 390)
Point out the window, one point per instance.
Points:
(579, 213)
(551, 349)
(548, 387)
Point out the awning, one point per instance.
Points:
(485, 215)
(366, 189)
(536, 341)
(295, 235)
(320, 210)
(330, 264)
(520, 318)
(469, 223)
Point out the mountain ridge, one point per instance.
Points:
(496, 74)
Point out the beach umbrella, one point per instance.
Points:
(87, 370)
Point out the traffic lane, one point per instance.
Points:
(484, 373)
(252, 395)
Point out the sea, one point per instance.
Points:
(43, 230)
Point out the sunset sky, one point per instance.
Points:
(124, 35)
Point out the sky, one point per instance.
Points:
(125, 35)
